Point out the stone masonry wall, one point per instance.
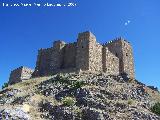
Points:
(92, 53)
(95, 57)
(123, 50)
(110, 62)
(82, 55)
(57, 56)
(114, 57)
(50, 59)
(43, 62)
(26, 73)
(69, 60)
(15, 76)
(86, 54)
(20, 74)
(128, 60)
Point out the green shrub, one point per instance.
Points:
(59, 78)
(130, 102)
(4, 85)
(78, 84)
(78, 112)
(156, 108)
(72, 83)
(68, 101)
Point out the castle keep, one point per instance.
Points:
(114, 57)
(86, 54)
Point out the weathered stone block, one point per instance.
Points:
(20, 74)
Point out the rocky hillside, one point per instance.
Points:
(82, 96)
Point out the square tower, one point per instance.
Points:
(89, 53)
(123, 50)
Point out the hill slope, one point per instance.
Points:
(82, 96)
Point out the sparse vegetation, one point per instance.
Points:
(48, 96)
(156, 108)
(63, 80)
(130, 80)
(20, 99)
(4, 85)
(78, 84)
(130, 102)
(72, 83)
(78, 111)
(68, 101)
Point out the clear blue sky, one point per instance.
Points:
(24, 30)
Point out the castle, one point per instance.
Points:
(114, 57)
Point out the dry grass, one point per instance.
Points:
(126, 102)
(29, 86)
(29, 83)
(36, 100)
(154, 94)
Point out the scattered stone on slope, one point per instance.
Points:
(96, 97)
(14, 114)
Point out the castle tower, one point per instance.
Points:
(43, 62)
(57, 55)
(123, 50)
(87, 49)
(50, 59)
(114, 58)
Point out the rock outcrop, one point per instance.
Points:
(83, 96)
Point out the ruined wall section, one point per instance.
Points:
(20, 74)
(15, 76)
(69, 60)
(110, 62)
(26, 73)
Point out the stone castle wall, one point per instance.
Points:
(128, 60)
(114, 57)
(110, 62)
(89, 53)
(123, 50)
(20, 74)
(57, 55)
(82, 56)
(43, 62)
(95, 56)
(69, 60)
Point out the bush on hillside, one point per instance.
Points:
(156, 108)
(4, 85)
(68, 101)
